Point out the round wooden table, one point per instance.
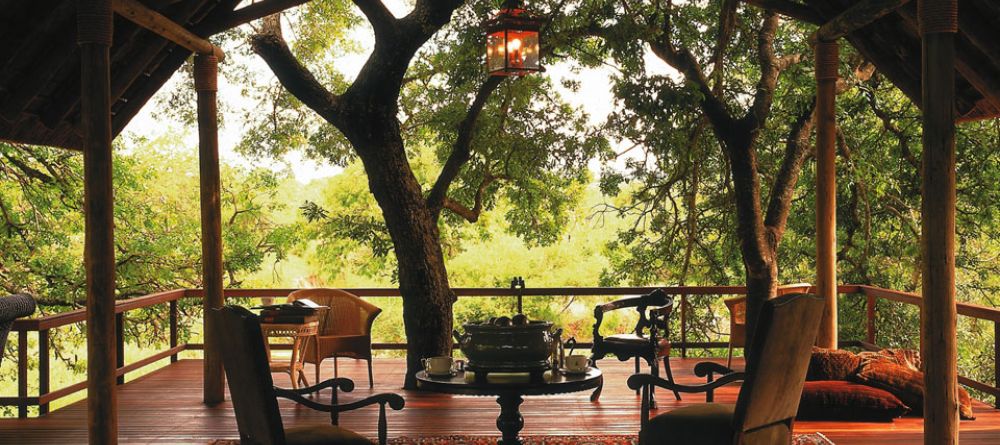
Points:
(510, 395)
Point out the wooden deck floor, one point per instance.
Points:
(165, 407)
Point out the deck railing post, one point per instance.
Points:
(684, 330)
(996, 362)
(120, 345)
(173, 329)
(22, 374)
(43, 369)
(870, 306)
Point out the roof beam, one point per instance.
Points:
(248, 14)
(857, 16)
(791, 9)
(147, 18)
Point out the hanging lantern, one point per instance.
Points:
(512, 41)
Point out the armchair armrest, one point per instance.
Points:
(705, 369)
(645, 381)
(394, 401)
(346, 385)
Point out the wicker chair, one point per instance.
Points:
(254, 395)
(737, 325)
(345, 330)
(12, 308)
(769, 398)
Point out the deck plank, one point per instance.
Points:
(165, 407)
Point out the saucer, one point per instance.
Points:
(571, 372)
(444, 374)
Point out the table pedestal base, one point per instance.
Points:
(510, 421)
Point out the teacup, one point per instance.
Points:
(576, 363)
(439, 365)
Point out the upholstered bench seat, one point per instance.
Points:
(323, 435)
(702, 424)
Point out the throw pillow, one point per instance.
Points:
(906, 384)
(832, 364)
(840, 400)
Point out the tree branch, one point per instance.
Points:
(378, 15)
(769, 71)
(461, 150)
(471, 215)
(797, 149)
(294, 76)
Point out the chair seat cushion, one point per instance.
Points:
(702, 424)
(840, 400)
(323, 435)
(635, 342)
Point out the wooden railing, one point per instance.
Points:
(44, 325)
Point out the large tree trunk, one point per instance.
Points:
(423, 279)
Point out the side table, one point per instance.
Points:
(300, 333)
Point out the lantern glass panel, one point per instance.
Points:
(495, 52)
(522, 50)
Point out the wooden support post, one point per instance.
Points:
(43, 369)
(173, 329)
(22, 374)
(938, 26)
(120, 345)
(827, 62)
(94, 32)
(206, 69)
(996, 362)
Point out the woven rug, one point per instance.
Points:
(800, 439)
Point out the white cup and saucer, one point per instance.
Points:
(442, 366)
(576, 365)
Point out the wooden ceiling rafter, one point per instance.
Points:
(153, 21)
(856, 17)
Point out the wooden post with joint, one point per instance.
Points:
(94, 35)
(206, 73)
(938, 317)
(827, 63)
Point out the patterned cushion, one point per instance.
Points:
(908, 358)
(702, 424)
(832, 364)
(907, 384)
(840, 400)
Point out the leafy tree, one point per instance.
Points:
(415, 91)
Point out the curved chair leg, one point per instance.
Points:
(335, 372)
(729, 362)
(318, 363)
(637, 370)
(655, 370)
(596, 395)
(371, 380)
(670, 375)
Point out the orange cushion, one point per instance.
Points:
(906, 384)
(840, 400)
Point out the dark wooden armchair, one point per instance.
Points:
(254, 395)
(654, 314)
(769, 397)
(12, 308)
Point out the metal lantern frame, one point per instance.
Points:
(513, 24)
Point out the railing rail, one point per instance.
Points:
(43, 325)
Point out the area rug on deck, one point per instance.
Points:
(800, 439)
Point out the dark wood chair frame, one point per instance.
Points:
(263, 416)
(809, 314)
(656, 320)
